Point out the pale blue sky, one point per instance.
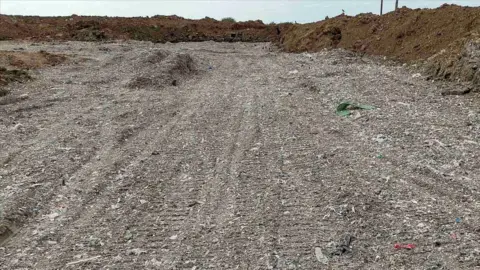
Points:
(266, 10)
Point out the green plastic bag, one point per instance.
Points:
(344, 109)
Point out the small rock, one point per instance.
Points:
(416, 75)
(174, 237)
(23, 97)
(155, 153)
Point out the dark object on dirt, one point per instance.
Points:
(344, 246)
(5, 233)
(9, 76)
(174, 82)
(155, 153)
(192, 204)
(4, 92)
(457, 92)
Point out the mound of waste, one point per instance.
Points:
(162, 68)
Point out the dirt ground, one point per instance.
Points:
(134, 155)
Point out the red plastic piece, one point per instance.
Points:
(407, 246)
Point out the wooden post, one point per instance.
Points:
(396, 5)
(381, 7)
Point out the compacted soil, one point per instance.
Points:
(134, 155)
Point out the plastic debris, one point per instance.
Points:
(380, 156)
(407, 246)
(320, 256)
(458, 220)
(344, 109)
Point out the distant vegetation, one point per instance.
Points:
(228, 19)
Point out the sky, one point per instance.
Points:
(300, 11)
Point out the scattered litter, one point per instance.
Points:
(192, 204)
(84, 260)
(320, 256)
(407, 246)
(155, 153)
(380, 138)
(416, 75)
(380, 156)
(52, 216)
(344, 109)
(128, 235)
(293, 72)
(458, 220)
(210, 68)
(173, 237)
(344, 246)
(453, 236)
(136, 251)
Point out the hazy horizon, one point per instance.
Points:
(268, 11)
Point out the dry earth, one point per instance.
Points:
(135, 155)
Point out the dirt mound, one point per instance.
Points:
(15, 75)
(162, 68)
(9, 76)
(461, 60)
(156, 29)
(406, 35)
(29, 60)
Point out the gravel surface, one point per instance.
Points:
(135, 155)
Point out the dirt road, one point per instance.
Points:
(231, 156)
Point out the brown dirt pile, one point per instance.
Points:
(405, 34)
(444, 34)
(156, 29)
(29, 60)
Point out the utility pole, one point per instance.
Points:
(396, 5)
(381, 7)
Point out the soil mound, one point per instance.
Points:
(156, 29)
(15, 75)
(29, 60)
(9, 76)
(461, 60)
(405, 35)
(162, 68)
